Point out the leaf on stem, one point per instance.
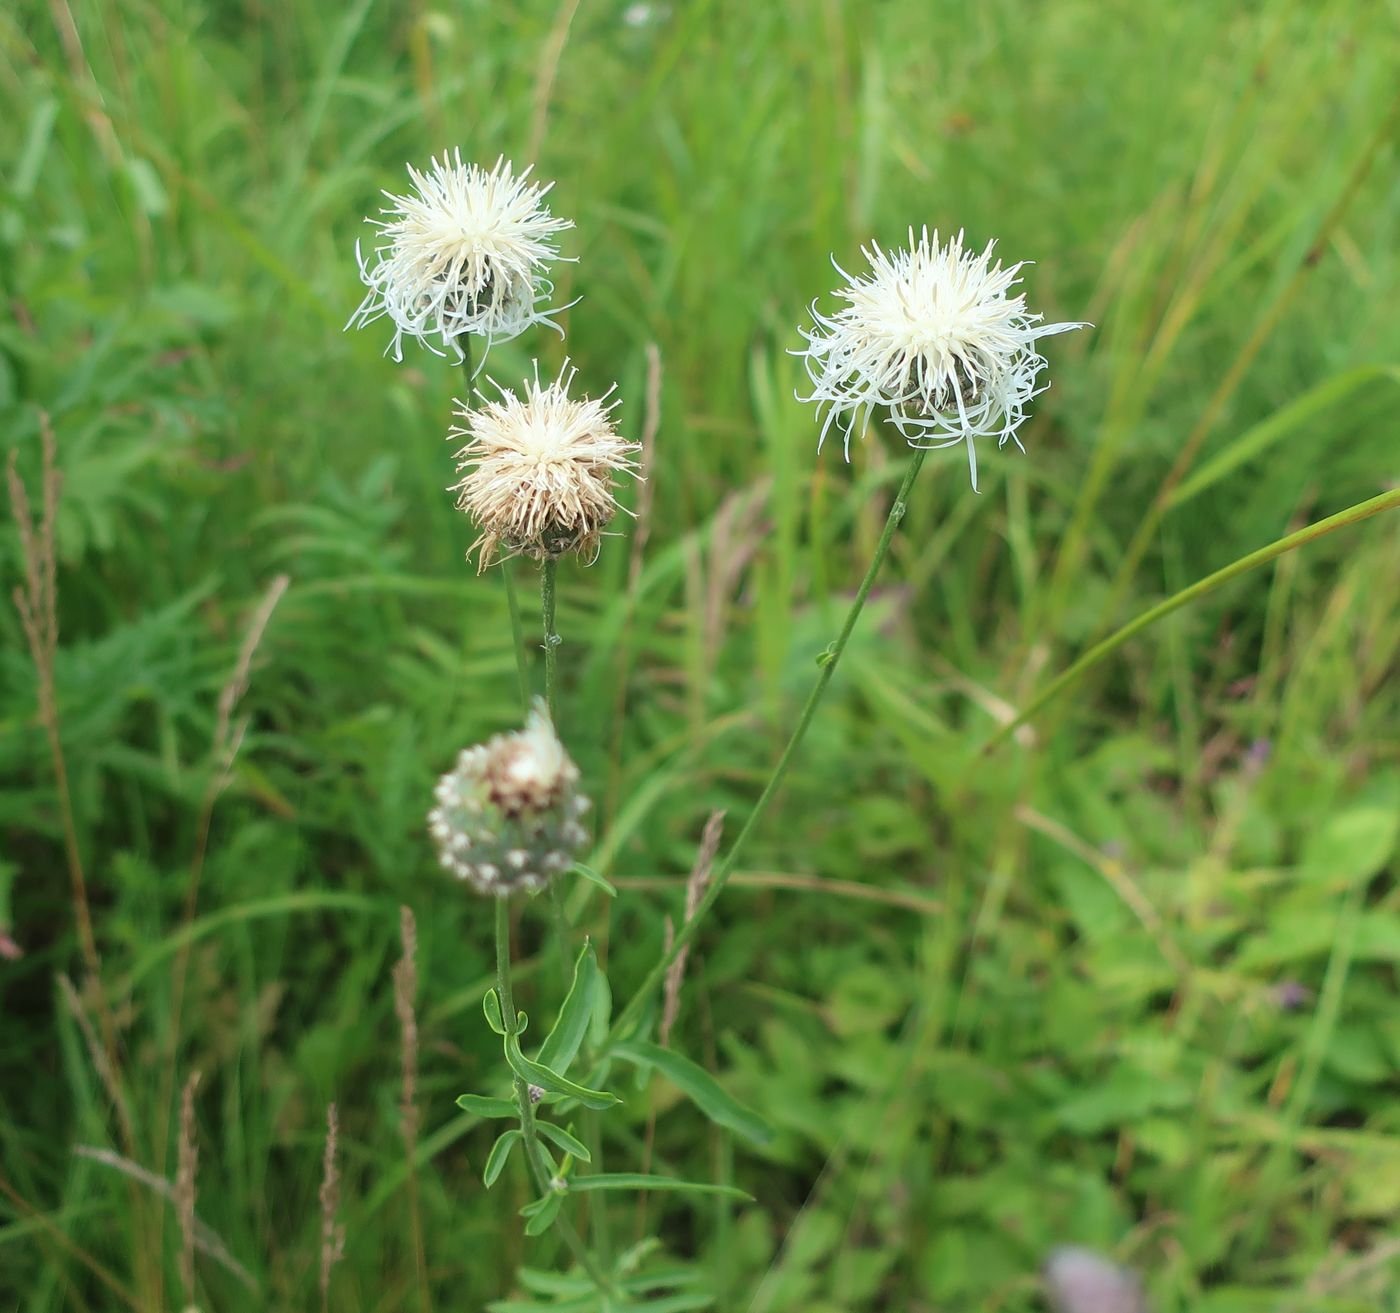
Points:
(500, 1152)
(484, 1106)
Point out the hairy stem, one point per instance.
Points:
(829, 659)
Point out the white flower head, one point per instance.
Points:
(539, 469)
(933, 333)
(467, 251)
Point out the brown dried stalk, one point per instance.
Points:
(695, 886)
(405, 991)
(694, 889)
(37, 602)
(332, 1233)
(187, 1164)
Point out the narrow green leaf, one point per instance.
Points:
(538, 1074)
(700, 1087)
(569, 1143)
(593, 877)
(564, 1041)
(486, 1107)
(500, 1152)
(544, 1218)
(1254, 442)
(642, 1181)
(491, 1005)
(1387, 501)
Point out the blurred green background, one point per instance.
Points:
(1129, 981)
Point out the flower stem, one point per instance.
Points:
(828, 660)
(534, 1154)
(551, 639)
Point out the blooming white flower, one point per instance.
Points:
(465, 252)
(540, 469)
(932, 333)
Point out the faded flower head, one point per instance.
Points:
(539, 470)
(1081, 1281)
(466, 251)
(507, 815)
(933, 333)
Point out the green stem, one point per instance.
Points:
(517, 635)
(829, 659)
(1352, 515)
(551, 639)
(534, 1154)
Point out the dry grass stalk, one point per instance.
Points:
(206, 1240)
(37, 602)
(405, 992)
(550, 55)
(187, 1165)
(694, 890)
(332, 1233)
(671, 995)
(228, 738)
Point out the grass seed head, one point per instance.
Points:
(466, 251)
(539, 470)
(507, 815)
(933, 333)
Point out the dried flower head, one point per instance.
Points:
(507, 815)
(539, 470)
(932, 333)
(465, 252)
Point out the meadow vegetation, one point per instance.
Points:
(1125, 979)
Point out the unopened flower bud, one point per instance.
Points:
(508, 814)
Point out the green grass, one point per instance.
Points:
(1061, 1019)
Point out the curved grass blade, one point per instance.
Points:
(593, 877)
(1255, 441)
(1387, 501)
(700, 1087)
